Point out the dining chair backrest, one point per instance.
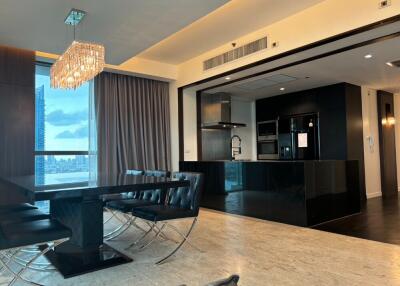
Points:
(157, 173)
(187, 197)
(134, 172)
(158, 195)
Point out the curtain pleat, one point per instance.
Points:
(133, 123)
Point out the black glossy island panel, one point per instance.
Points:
(301, 193)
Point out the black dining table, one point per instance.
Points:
(79, 206)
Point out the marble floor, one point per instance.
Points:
(261, 252)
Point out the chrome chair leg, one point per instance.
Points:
(107, 220)
(113, 215)
(141, 238)
(18, 275)
(4, 265)
(139, 227)
(185, 238)
(123, 223)
(163, 234)
(119, 231)
(30, 250)
(37, 266)
(155, 237)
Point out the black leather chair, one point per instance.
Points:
(122, 196)
(119, 197)
(21, 213)
(157, 173)
(22, 216)
(134, 172)
(182, 203)
(143, 198)
(16, 208)
(16, 234)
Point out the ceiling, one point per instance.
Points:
(226, 24)
(125, 27)
(350, 66)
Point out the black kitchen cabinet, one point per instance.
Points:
(340, 119)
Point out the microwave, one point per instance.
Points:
(267, 150)
(267, 130)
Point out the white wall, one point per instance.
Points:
(397, 135)
(371, 146)
(328, 18)
(189, 127)
(243, 111)
(174, 123)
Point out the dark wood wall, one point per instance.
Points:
(340, 118)
(17, 111)
(387, 144)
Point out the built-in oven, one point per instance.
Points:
(267, 150)
(267, 130)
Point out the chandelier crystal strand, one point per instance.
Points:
(80, 63)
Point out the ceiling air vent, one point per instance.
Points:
(235, 54)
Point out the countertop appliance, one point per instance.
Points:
(298, 137)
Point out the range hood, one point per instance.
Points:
(216, 112)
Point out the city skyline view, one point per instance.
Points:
(61, 124)
(66, 115)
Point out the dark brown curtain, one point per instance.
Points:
(17, 112)
(133, 123)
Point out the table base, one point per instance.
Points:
(72, 261)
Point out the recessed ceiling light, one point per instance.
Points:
(228, 78)
(369, 56)
(282, 89)
(389, 64)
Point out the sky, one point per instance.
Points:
(66, 115)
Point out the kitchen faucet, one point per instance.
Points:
(236, 150)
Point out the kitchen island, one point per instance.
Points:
(303, 193)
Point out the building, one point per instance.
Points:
(40, 134)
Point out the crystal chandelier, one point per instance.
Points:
(81, 62)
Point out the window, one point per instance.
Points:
(61, 131)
